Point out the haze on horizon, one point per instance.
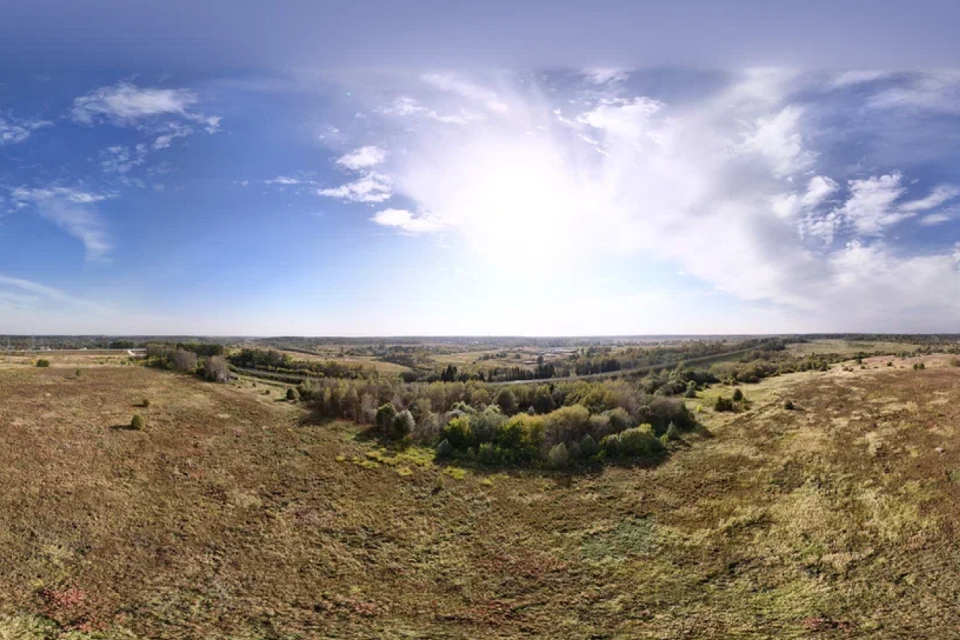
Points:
(323, 169)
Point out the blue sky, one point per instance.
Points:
(322, 170)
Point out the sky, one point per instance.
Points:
(539, 168)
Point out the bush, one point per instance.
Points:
(43, 363)
(589, 446)
(183, 360)
(293, 395)
(723, 404)
(611, 445)
(486, 423)
(136, 423)
(737, 395)
(506, 401)
(640, 442)
(558, 456)
(403, 425)
(216, 369)
(145, 403)
(691, 390)
(444, 449)
(543, 400)
(383, 421)
(619, 419)
(78, 373)
(673, 433)
(566, 424)
(788, 405)
(521, 437)
(458, 432)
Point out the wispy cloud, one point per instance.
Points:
(406, 107)
(408, 222)
(372, 187)
(362, 158)
(14, 130)
(874, 203)
(166, 114)
(74, 211)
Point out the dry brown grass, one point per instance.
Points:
(229, 516)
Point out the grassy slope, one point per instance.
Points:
(229, 517)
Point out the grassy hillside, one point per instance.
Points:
(232, 516)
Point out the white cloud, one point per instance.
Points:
(285, 181)
(937, 91)
(728, 187)
(15, 130)
(372, 187)
(406, 107)
(158, 112)
(408, 222)
(940, 194)
(874, 204)
(605, 75)
(857, 77)
(73, 211)
(932, 219)
(778, 138)
(363, 158)
(472, 92)
(120, 159)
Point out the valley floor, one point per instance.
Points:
(232, 515)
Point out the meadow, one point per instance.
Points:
(236, 514)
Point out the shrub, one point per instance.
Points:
(458, 432)
(543, 401)
(737, 395)
(183, 360)
(566, 424)
(145, 403)
(673, 433)
(662, 411)
(589, 446)
(691, 390)
(889, 364)
(444, 449)
(619, 419)
(383, 422)
(640, 442)
(574, 450)
(487, 454)
(293, 395)
(486, 423)
(611, 445)
(559, 457)
(403, 425)
(216, 369)
(788, 405)
(78, 373)
(955, 362)
(723, 404)
(506, 401)
(136, 423)
(922, 366)
(43, 363)
(521, 436)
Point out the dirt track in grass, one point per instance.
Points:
(230, 516)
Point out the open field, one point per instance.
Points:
(386, 368)
(234, 516)
(849, 347)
